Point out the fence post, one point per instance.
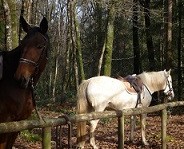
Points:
(121, 136)
(46, 142)
(164, 128)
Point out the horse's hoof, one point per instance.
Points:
(95, 147)
(145, 143)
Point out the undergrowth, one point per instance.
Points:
(30, 136)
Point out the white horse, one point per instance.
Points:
(96, 93)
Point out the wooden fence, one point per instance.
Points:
(48, 123)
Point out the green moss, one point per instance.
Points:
(30, 136)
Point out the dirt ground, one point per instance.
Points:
(106, 133)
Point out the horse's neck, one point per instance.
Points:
(152, 83)
(10, 62)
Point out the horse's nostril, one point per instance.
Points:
(24, 82)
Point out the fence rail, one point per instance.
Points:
(48, 123)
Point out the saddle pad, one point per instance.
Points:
(1, 66)
(132, 83)
(129, 87)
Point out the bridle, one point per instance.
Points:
(169, 92)
(33, 63)
(24, 60)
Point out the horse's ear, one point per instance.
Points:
(24, 24)
(44, 25)
(169, 72)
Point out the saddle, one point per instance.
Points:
(133, 85)
(135, 82)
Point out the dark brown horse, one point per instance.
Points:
(21, 70)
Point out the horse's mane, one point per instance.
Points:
(153, 79)
(10, 62)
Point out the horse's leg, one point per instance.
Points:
(3, 145)
(132, 127)
(143, 129)
(11, 139)
(81, 134)
(3, 140)
(93, 125)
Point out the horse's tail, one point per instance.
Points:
(82, 107)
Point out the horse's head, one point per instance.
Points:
(168, 91)
(33, 58)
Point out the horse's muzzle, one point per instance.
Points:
(170, 95)
(23, 82)
(23, 75)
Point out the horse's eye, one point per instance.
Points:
(40, 46)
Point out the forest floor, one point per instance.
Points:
(106, 132)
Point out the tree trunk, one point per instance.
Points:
(55, 79)
(28, 10)
(78, 49)
(136, 49)
(149, 41)
(8, 26)
(168, 38)
(74, 46)
(98, 58)
(109, 39)
(69, 54)
(179, 49)
(101, 60)
(73, 37)
(57, 55)
(14, 22)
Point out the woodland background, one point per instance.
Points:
(100, 37)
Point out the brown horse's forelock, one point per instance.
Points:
(31, 33)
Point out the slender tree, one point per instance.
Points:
(14, 22)
(109, 38)
(57, 55)
(168, 34)
(2, 26)
(136, 49)
(78, 49)
(74, 46)
(149, 40)
(100, 36)
(179, 48)
(8, 25)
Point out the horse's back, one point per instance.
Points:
(104, 84)
(101, 89)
